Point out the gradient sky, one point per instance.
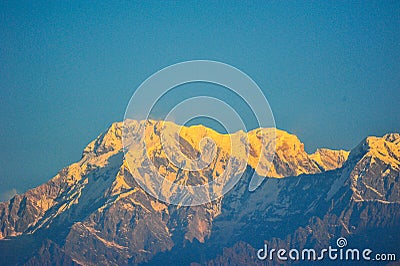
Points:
(330, 70)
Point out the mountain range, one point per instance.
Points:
(93, 212)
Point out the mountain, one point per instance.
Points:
(359, 201)
(329, 159)
(94, 211)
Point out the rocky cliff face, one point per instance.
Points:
(94, 212)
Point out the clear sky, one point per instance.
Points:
(330, 70)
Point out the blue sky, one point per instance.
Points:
(330, 70)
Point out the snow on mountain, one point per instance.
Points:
(329, 159)
(98, 172)
(376, 156)
(98, 212)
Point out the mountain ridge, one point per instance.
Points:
(96, 207)
(109, 144)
